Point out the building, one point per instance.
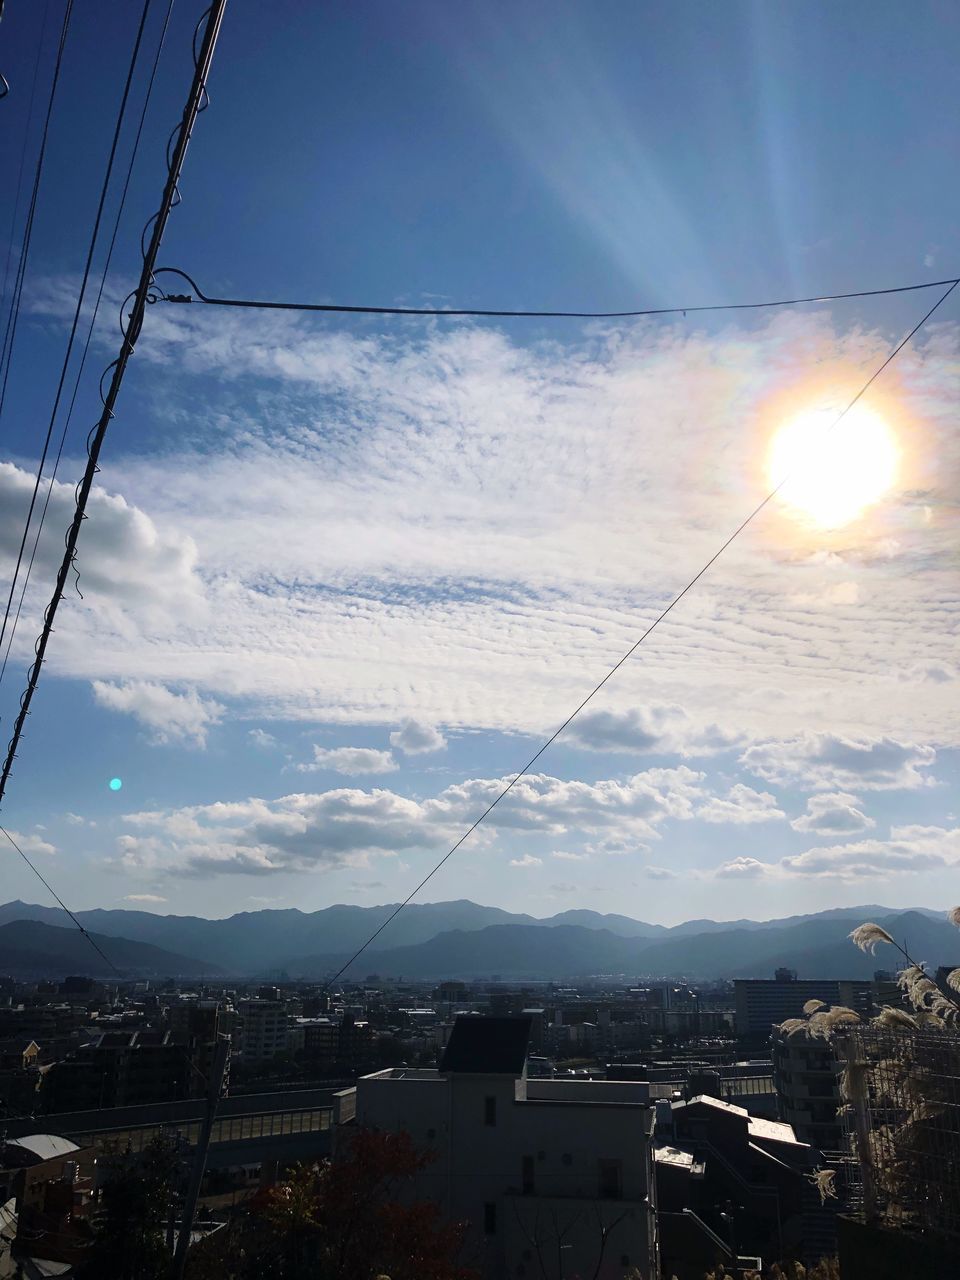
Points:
(119, 1069)
(806, 1074)
(46, 1186)
(762, 1002)
(733, 1185)
(547, 1174)
(261, 1029)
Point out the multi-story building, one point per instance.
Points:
(552, 1177)
(762, 1002)
(806, 1074)
(261, 1029)
(120, 1069)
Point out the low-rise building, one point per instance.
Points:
(546, 1174)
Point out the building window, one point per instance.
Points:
(566, 1158)
(528, 1175)
(490, 1111)
(609, 1179)
(490, 1219)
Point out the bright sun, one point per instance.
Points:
(833, 472)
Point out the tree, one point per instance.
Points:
(342, 1218)
(131, 1220)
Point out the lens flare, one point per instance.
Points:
(833, 473)
(116, 784)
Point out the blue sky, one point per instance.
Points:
(339, 575)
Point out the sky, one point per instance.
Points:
(341, 577)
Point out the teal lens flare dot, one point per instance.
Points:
(115, 784)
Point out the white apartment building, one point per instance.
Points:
(261, 1029)
(554, 1178)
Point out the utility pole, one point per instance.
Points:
(221, 1056)
(141, 295)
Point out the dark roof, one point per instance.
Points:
(487, 1046)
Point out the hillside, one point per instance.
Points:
(29, 948)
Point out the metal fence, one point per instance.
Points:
(901, 1114)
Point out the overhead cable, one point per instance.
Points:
(21, 166)
(452, 312)
(636, 645)
(157, 223)
(94, 235)
(10, 331)
(86, 346)
(53, 893)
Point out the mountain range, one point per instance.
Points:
(460, 940)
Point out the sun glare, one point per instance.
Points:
(833, 473)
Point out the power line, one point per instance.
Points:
(501, 314)
(86, 345)
(53, 893)
(121, 114)
(176, 151)
(10, 332)
(634, 647)
(23, 149)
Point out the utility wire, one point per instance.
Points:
(634, 647)
(10, 332)
(94, 235)
(50, 889)
(86, 345)
(23, 150)
(542, 315)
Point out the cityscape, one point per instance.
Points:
(479, 526)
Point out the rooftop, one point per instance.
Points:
(487, 1046)
(45, 1146)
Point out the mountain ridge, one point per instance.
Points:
(454, 938)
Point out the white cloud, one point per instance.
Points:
(833, 813)
(345, 826)
(742, 869)
(143, 897)
(826, 760)
(351, 761)
(528, 860)
(32, 843)
(260, 738)
(458, 529)
(126, 560)
(571, 857)
(909, 849)
(657, 727)
(659, 873)
(741, 805)
(415, 738)
(171, 717)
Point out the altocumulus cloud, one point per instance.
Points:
(171, 717)
(461, 478)
(833, 813)
(345, 826)
(826, 761)
(352, 761)
(415, 738)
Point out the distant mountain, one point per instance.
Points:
(510, 950)
(622, 925)
(815, 948)
(29, 948)
(260, 941)
(457, 939)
